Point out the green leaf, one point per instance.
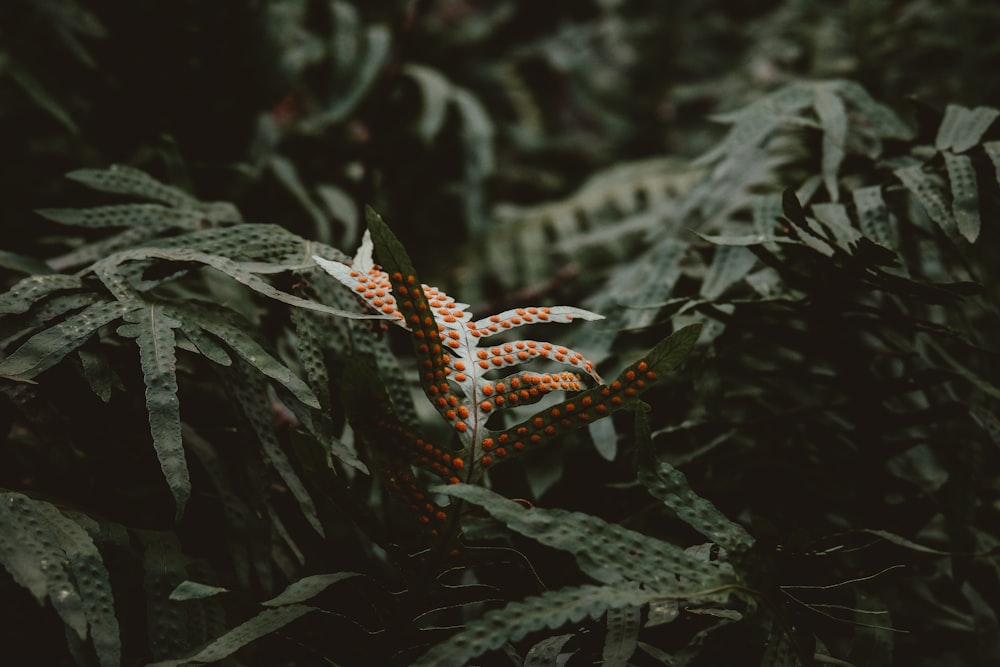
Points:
(929, 193)
(546, 652)
(307, 588)
(834, 217)
(47, 348)
(962, 128)
(606, 552)
(193, 590)
(622, 639)
(153, 331)
(125, 180)
(873, 216)
(29, 291)
(261, 625)
(832, 115)
(31, 551)
(126, 215)
(730, 264)
(671, 487)
(93, 583)
(250, 350)
(551, 609)
(251, 394)
(965, 194)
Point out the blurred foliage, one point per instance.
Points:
(211, 448)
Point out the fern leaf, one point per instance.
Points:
(108, 271)
(965, 194)
(883, 120)
(833, 216)
(546, 652)
(126, 215)
(607, 552)
(49, 347)
(193, 590)
(307, 588)
(452, 366)
(29, 291)
(873, 216)
(261, 625)
(32, 553)
(670, 486)
(168, 624)
(93, 252)
(729, 265)
(153, 331)
(992, 149)
(928, 192)
(233, 333)
(622, 639)
(121, 179)
(93, 583)
(251, 394)
(962, 128)
(587, 406)
(552, 609)
(832, 114)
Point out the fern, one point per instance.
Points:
(454, 368)
(618, 558)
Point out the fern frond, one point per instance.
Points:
(153, 331)
(453, 368)
(54, 557)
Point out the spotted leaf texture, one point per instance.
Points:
(452, 350)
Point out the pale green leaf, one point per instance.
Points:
(193, 590)
(965, 194)
(928, 192)
(624, 624)
(307, 588)
(125, 180)
(546, 652)
(126, 215)
(962, 128)
(873, 216)
(832, 115)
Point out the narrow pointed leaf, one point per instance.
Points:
(962, 128)
(29, 291)
(307, 588)
(832, 115)
(873, 216)
(551, 609)
(965, 194)
(261, 625)
(47, 348)
(928, 192)
(624, 624)
(153, 331)
(93, 584)
(121, 179)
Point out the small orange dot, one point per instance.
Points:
(487, 460)
(487, 444)
(461, 427)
